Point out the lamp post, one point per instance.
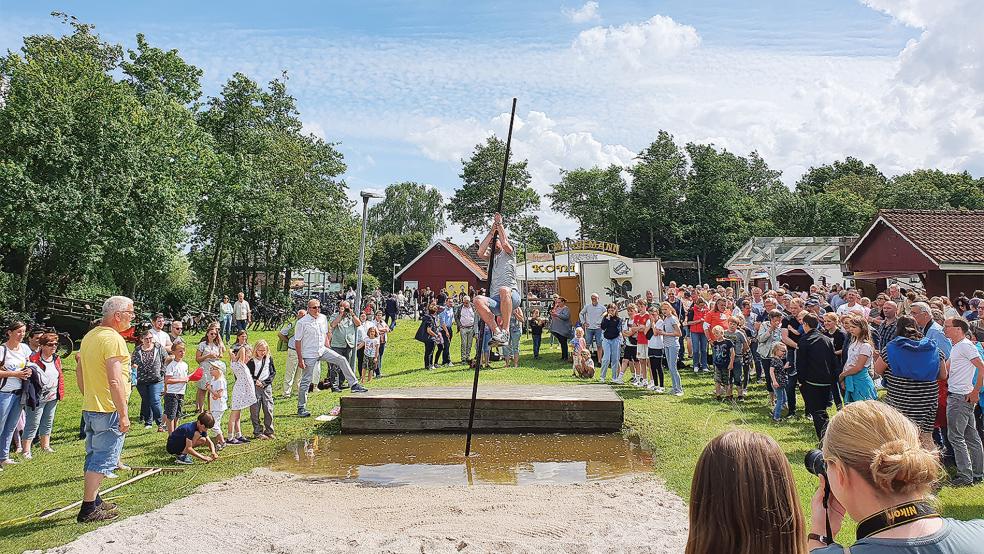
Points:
(366, 195)
(395, 267)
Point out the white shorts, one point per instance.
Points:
(217, 428)
(642, 351)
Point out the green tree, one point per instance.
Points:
(658, 182)
(409, 208)
(394, 248)
(474, 202)
(819, 179)
(595, 197)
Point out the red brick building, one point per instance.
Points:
(943, 247)
(443, 264)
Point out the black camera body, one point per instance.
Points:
(815, 463)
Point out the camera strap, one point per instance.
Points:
(894, 517)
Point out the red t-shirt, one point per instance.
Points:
(699, 314)
(716, 318)
(641, 319)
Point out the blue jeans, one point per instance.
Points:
(225, 326)
(698, 347)
(612, 354)
(10, 409)
(780, 402)
(537, 339)
(671, 351)
(150, 401)
(39, 421)
(593, 338)
(103, 441)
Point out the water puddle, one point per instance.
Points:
(438, 459)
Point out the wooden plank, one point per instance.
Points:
(505, 415)
(396, 425)
(462, 404)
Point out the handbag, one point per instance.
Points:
(422, 335)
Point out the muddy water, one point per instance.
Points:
(437, 459)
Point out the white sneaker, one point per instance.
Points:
(618, 381)
(678, 393)
(643, 384)
(499, 338)
(27, 456)
(651, 387)
(660, 389)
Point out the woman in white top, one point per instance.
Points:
(13, 372)
(225, 317)
(669, 328)
(40, 419)
(383, 331)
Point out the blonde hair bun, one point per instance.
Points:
(899, 467)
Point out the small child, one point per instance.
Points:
(723, 351)
(578, 344)
(777, 373)
(175, 381)
(370, 355)
(182, 441)
(737, 336)
(585, 369)
(218, 396)
(243, 393)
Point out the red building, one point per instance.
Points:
(443, 265)
(943, 247)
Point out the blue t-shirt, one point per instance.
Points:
(185, 431)
(956, 537)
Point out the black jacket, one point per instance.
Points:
(815, 360)
(254, 370)
(391, 307)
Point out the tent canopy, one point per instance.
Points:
(775, 256)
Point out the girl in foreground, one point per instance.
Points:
(761, 511)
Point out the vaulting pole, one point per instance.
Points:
(488, 283)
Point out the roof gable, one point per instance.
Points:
(456, 251)
(943, 236)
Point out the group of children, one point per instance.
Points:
(254, 371)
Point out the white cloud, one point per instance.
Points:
(313, 128)
(584, 14)
(660, 37)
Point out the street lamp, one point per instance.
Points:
(395, 267)
(366, 195)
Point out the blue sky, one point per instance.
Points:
(408, 88)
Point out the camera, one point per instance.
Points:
(815, 463)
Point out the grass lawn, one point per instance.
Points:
(676, 428)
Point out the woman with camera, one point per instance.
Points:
(879, 473)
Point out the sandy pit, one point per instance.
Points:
(267, 511)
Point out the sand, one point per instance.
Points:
(267, 511)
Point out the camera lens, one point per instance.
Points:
(815, 463)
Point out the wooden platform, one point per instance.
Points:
(502, 409)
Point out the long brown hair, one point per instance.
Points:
(743, 498)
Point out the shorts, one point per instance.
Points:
(593, 336)
(172, 406)
(103, 441)
(494, 301)
(175, 445)
(642, 351)
(722, 375)
(629, 352)
(217, 415)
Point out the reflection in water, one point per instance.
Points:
(437, 459)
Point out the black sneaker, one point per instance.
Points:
(305, 413)
(359, 388)
(184, 460)
(106, 506)
(97, 515)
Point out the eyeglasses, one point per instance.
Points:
(314, 307)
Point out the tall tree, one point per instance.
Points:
(394, 248)
(658, 181)
(595, 197)
(409, 208)
(474, 203)
(819, 179)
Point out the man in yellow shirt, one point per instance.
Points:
(103, 377)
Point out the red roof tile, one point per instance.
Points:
(946, 236)
(465, 259)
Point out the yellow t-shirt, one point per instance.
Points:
(99, 345)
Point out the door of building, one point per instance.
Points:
(570, 288)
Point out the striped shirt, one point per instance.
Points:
(917, 400)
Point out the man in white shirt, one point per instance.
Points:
(965, 376)
(466, 327)
(852, 305)
(590, 318)
(311, 346)
(291, 375)
(161, 337)
(241, 312)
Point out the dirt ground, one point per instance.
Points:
(276, 512)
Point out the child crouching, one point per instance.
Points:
(182, 442)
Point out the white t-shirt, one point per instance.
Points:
(49, 378)
(225, 308)
(161, 338)
(14, 359)
(312, 333)
(845, 309)
(179, 370)
(372, 346)
(657, 340)
(264, 366)
(962, 370)
(218, 386)
(858, 349)
(241, 309)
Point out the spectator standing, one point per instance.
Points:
(210, 351)
(391, 309)
(104, 380)
(965, 376)
(311, 345)
(698, 337)
(536, 325)
(921, 312)
(225, 317)
(40, 417)
(14, 372)
(560, 325)
(174, 335)
(242, 313)
(815, 367)
(344, 339)
(855, 379)
(148, 360)
(427, 334)
(262, 371)
(161, 338)
(770, 334)
(590, 318)
(611, 328)
(669, 328)
(446, 315)
(466, 320)
(292, 377)
(887, 325)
